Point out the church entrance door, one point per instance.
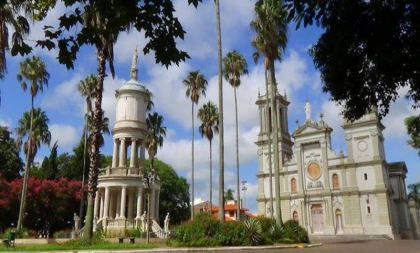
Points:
(317, 215)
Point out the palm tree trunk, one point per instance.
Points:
(211, 180)
(82, 198)
(192, 161)
(238, 193)
(270, 167)
(27, 170)
(221, 137)
(96, 135)
(277, 156)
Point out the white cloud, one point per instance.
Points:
(66, 136)
(64, 95)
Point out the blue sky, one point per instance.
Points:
(296, 76)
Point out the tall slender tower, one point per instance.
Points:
(285, 149)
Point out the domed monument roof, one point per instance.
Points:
(133, 84)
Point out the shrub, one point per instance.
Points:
(198, 232)
(293, 231)
(232, 234)
(134, 232)
(254, 231)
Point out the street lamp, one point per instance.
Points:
(148, 181)
(244, 189)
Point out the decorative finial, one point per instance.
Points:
(285, 95)
(321, 116)
(259, 94)
(308, 110)
(133, 72)
(297, 123)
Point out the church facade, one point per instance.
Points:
(327, 192)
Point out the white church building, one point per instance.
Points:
(331, 193)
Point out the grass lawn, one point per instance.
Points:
(79, 245)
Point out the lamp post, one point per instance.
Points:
(148, 181)
(244, 189)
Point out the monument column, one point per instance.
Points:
(96, 208)
(101, 212)
(139, 206)
(115, 154)
(106, 207)
(142, 154)
(123, 153)
(130, 210)
(133, 159)
(123, 201)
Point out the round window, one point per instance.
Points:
(313, 170)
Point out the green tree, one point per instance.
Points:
(413, 130)
(196, 86)
(221, 122)
(414, 192)
(174, 194)
(229, 195)
(49, 166)
(87, 89)
(357, 68)
(11, 16)
(39, 135)
(209, 116)
(11, 163)
(154, 137)
(270, 26)
(33, 70)
(235, 66)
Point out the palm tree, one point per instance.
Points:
(86, 88)
(196, 86)
(34, 126)
(209, 116)
(235, 66)
(270, 25)
(149, 97)
(154, 137)
(33, 70)
(221, 124)
(414, 192)
(105, 53)
(229, 194)
(10, 15)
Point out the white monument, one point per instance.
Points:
(120, 199)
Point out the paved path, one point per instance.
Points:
(378, 246)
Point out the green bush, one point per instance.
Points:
(205, 230)
(232, 234)
(198, 232)
(134, 232)
(254, 231)
(293, 231)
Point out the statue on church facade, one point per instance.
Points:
(308, 110)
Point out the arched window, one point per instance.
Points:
(335, 182)
(293, 185)
(295, 216)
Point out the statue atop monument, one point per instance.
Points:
(134, 71)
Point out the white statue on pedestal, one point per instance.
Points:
(166, 225)
(143, 221)
(308, 110)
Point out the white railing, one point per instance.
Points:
(160, 233)
(112, 223)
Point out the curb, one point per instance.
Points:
(284, 246)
